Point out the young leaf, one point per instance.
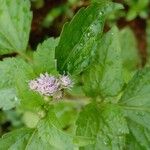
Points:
(77, 40)
(44, 57)
(104, 123)
(136, 104)
(15, 18)
(105, 76)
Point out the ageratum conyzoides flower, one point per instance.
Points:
(49, 85)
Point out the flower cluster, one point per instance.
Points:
(48, 85)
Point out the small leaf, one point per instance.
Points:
(105, 76)
(105, 123)
(44, 57)
(77, 40)
(15, 22)
(135, 103)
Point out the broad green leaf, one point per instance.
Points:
(47, 135)
(8, 69)
(23, 139)
(35, 142)
(29, 99)
(105, 76)
(15, 22)
(49, 131)
(139, 137)
(16, 140)
(8, 98)
(15, 75)
(77, 40)
(67, 112)
(130, 56)
(132, 144)
(129, 49)
(105, 123)
(136, 104)
(44, 57)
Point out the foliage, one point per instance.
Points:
(111, 110)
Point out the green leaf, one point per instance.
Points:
(67, 112)
(29, 99)
(140, 137)
(105, 123)
(136, 105)
(15, 75)
(8, 98)
(129, 49)
(44, 57)
(35, 142)
(23, 139)
(8, 69)
(132, 144)
(15, 22)
(49, 131)
(137, 8)
(130, 55)
(77, 40)
(104, 77)
(15, 140)
(47, 135)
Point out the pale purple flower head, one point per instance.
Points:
(33, 84)
(49, 85)
(66, 82)
(45, 85)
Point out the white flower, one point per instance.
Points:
(66, 82)
(33, 85)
